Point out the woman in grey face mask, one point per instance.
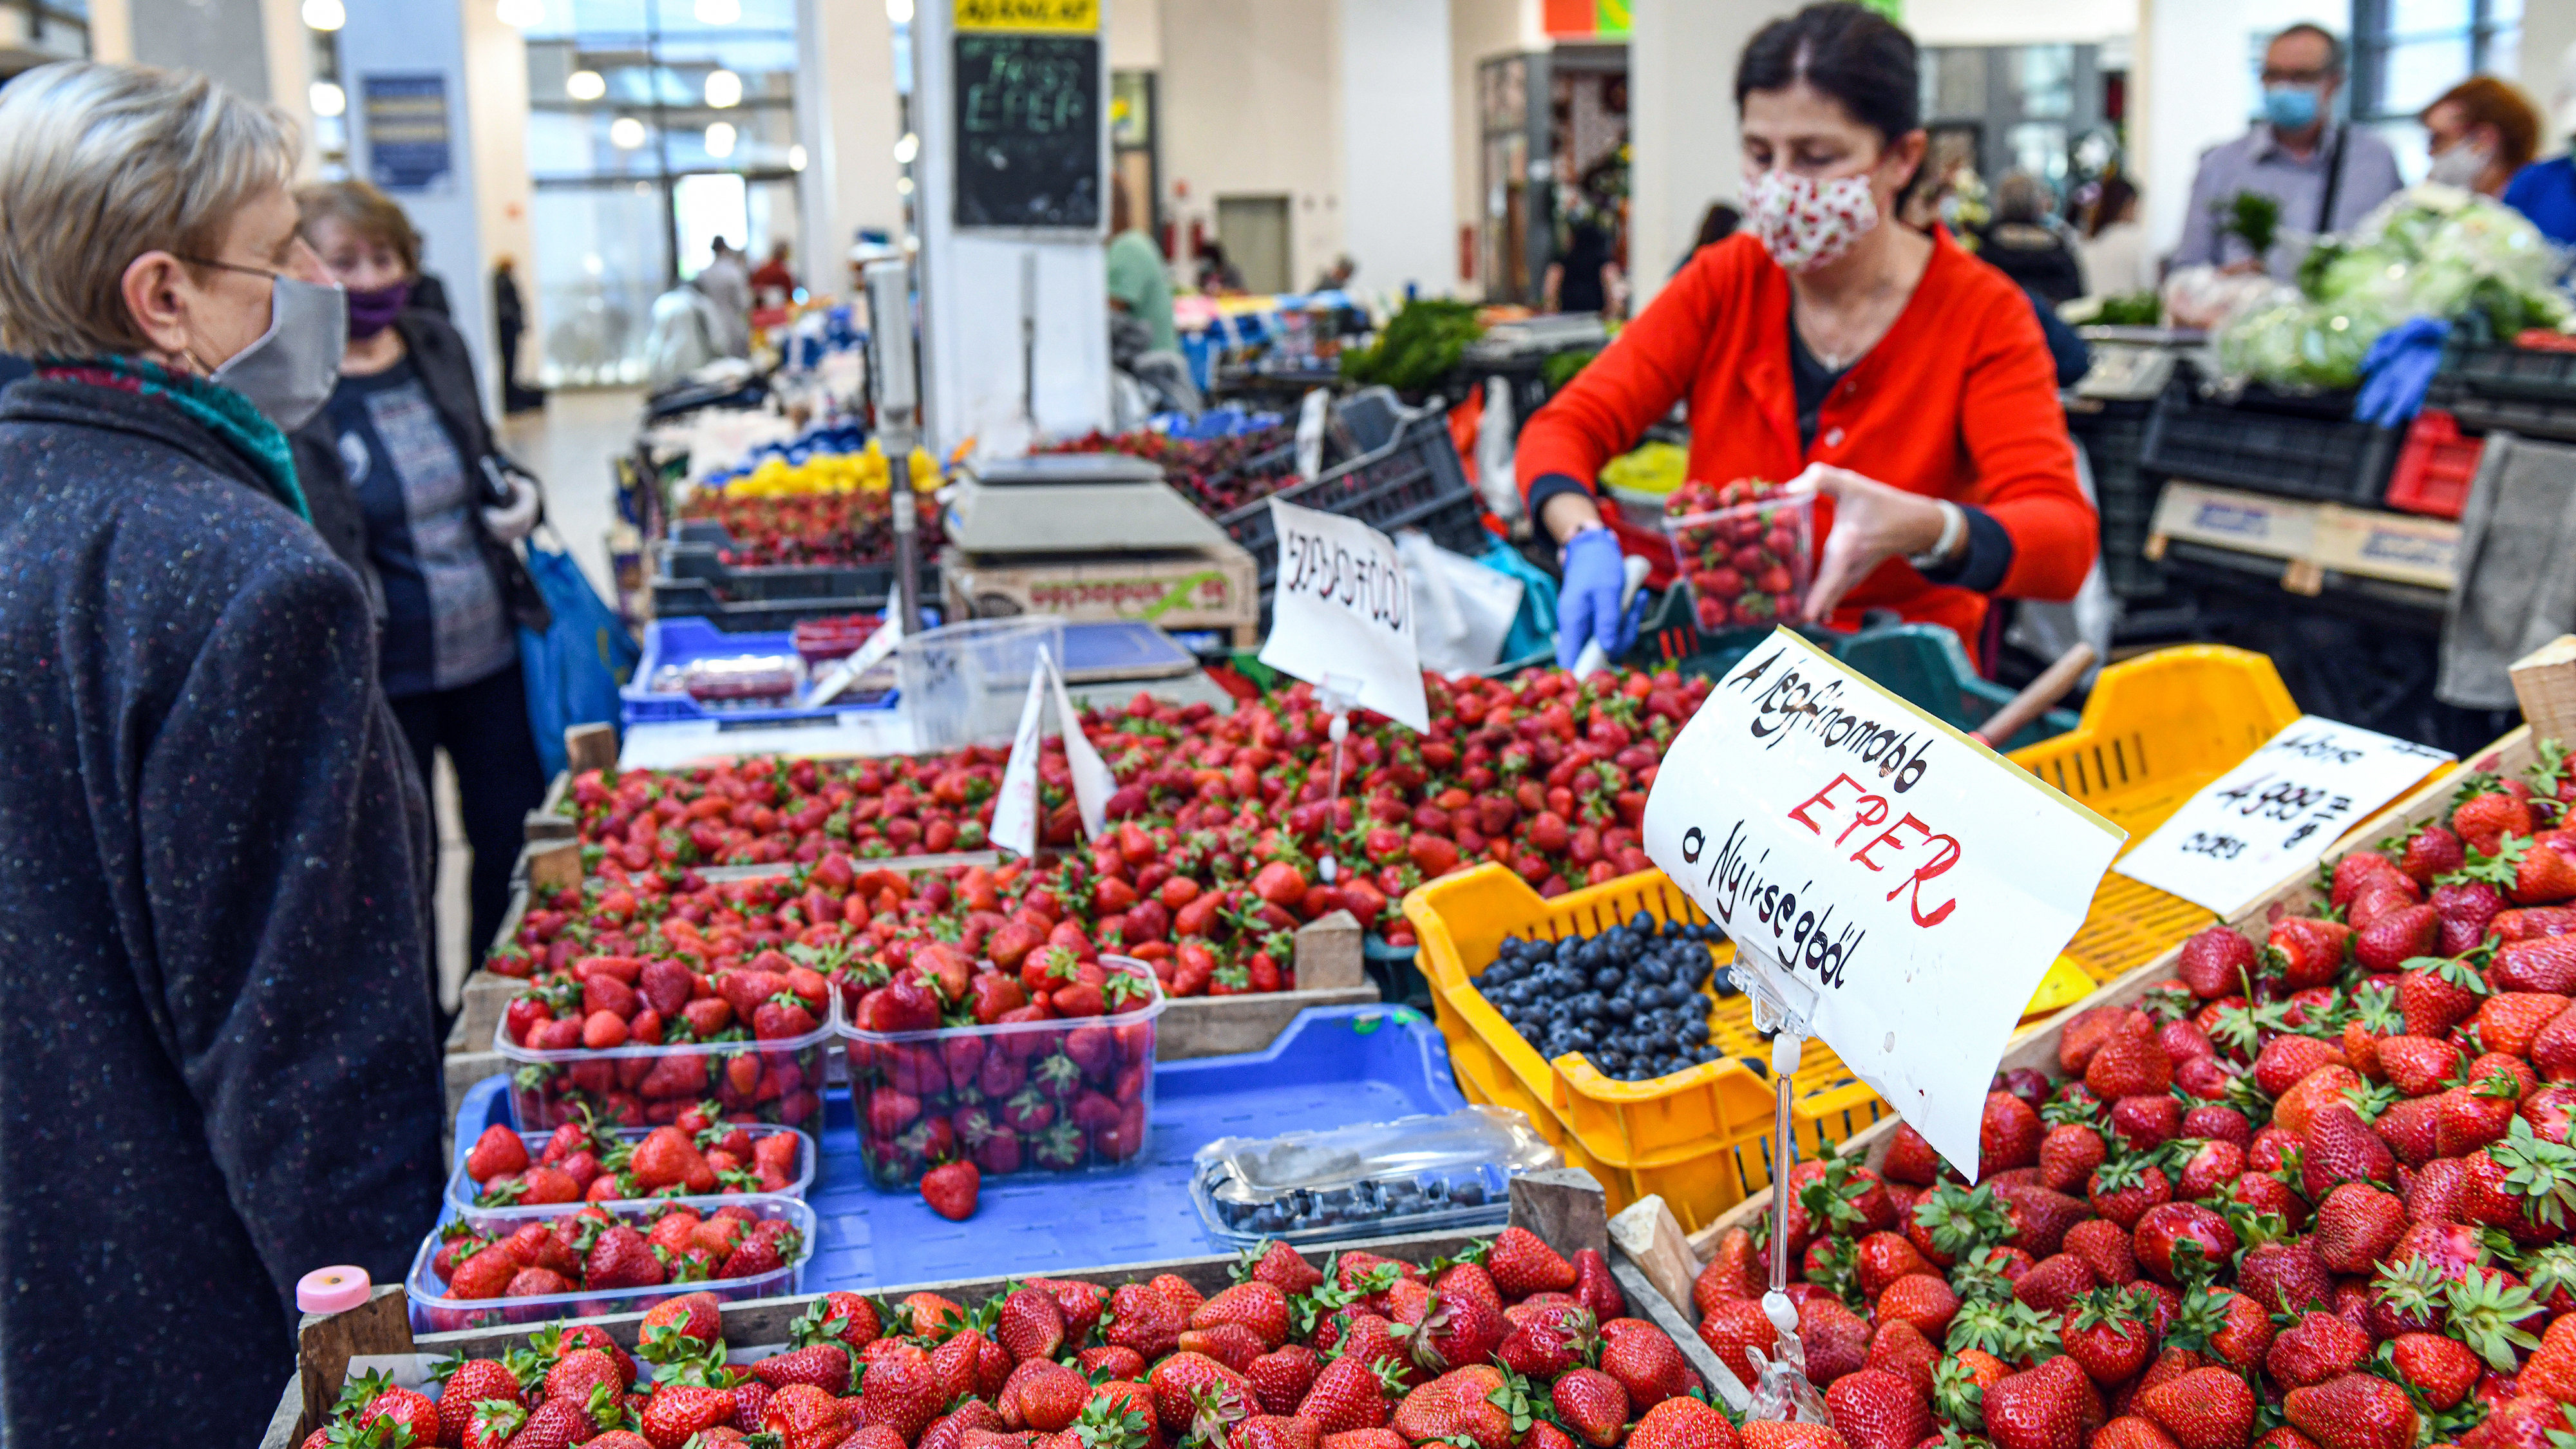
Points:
(212, 921)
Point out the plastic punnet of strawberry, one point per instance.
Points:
(1746, 550)
(2321, 1181)
(533, 1264)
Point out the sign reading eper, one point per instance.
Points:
(1897, 884)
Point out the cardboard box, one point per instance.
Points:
(1210, 588)
(2225, 518)
(2402, 547)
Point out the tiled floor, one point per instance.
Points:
(568, 446)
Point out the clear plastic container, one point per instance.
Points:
(963, 684)
(777, 1081)
(461, 1189)
(432, 1311)
(1748, 565)
(1070, 1095)
(1414, 1174)
(825, 641)
(744, 681)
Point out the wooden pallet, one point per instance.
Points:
(1563, 1206)
(2036, 1048)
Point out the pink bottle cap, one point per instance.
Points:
(332, 1290)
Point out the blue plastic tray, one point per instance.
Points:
(1332, 1067)
(683, 641)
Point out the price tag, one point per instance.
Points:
(2275, 814)
(1015, 808)
(1344, 608)
(1901, 886)
(1093, 784)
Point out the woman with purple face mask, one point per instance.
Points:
(1830, 346)
(406, 429)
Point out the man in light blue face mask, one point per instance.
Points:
(2326, 175)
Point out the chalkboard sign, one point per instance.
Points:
(1028, 131)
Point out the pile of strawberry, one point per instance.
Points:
(1218, 474)
(635, 1039)
(2309, 1195)
(701, 1153)
(829, 529)
(596, 1249)
(1510, 1347)
(1745, 550)
(1019, 1095)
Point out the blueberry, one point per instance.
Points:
(1468, 1193)
(1643, 923)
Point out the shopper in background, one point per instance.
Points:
(1584, 274)
(1217, 276)
(2545, 191)
(510, 322)
(1337, 276)
(2480, 132)
(218, 1061)
(2326, 174)
(1875, 365)
(1140, 285)
(726, 284)
(772, 284)
(1715, 225)
(406, 423)
(2023, 246)
(2117, 262)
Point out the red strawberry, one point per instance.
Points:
(2320, 1346)
(2310, 950)
(2356, 1411)
(1875, 1410)
(2510, 1021)
(1281, 1378)
(1594, 1288)
(2431, 851)
(2104, 1247)
(1522, 1264)
(1459, 1405)
(1030, 1324)
(497, 1152)
(2465, 906)
(2442, 1369)
(1280, 1266)
(2129, 1066)
(1258, 1306)
(1910, 1159)
(1350, 1392)
(1682, 1424)
(2547, 963)
(1594, 1407)
(2008, 1136)
(2107, 1335)
(2044, 1408)
(2340, 1147)
(2355, 1226)
(2207, 1408)
(2216, 962)
(951, 1188)
(1644, 1361)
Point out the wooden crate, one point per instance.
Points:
(1563, 1206)
(2036, 1047)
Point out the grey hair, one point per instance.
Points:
(2020, 196)
(100, 164)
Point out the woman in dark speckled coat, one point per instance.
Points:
(216, 1060)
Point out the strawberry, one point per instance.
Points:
(1282, 1377)
(499, 1151)
(1548, 1338)
(1594, 1287)
(1467, 1405)
(2175, 1238)
(1910, 1159)
(2307, 951)
(1683, 1423)
(1030, 1324)
(2432, 850)
(2318, 1347)
(2104, 1247)
(1924, 1300)
(1778, 1434)
(950, 1189)
(1257, 1306)
(1350, 1392)
(2107, 1335)
(802, 1417)
(2124, 1190)
(2133, 1431)
(1644, 1361)
(1266, 1431)
(2008, 1134)
(467, 1385)
(1279, 1265)
(824, 1365)
(1196, 1396)
(903, 1391)
(2054, 1282)
(1875, 1410)
(2465, 906)
(1522, 1264)
(2044, 1408)
(2356, 1411)
(2510, 1021)
(2483, 817)
(2442, 1369)
(1593, 1406)
(2129, 1066)
(2216, 962)
(1902, 1349)
(2207, 1408)
(2340, 1147)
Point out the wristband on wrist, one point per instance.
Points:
(1954, 530)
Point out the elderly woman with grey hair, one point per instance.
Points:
(217, 1062)
(2021, 244)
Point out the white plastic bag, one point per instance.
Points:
(1462, 610)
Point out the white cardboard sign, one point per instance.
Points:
(1015, 811)
(2279, 811)
(1901, 886)
(1343, 612)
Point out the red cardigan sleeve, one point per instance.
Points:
(1635, 380)
(2014, 428)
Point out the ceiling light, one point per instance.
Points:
(522, 13)
(907, 148)
(724, 88)
(899, 11)
(325, 14)
(328, 99)
(720, 139)
(795, 158)
(719, 12)
(903, 186)
(626, 133)
(585, 85)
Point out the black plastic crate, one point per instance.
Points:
(2495, 387)
(694, 581)
(2114, 442)
(1415, 481)
(2286, 453)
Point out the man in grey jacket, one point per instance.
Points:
(2326, 174)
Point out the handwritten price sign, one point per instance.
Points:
(1900, 885)
(1343, 613)
(2276, 814)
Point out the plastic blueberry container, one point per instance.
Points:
(1747, 565)
(432, 1311)
(1423, 1173)
(1072, 1094)
(650, 1085)
(461, 1189)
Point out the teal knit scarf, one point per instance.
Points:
(218, 409)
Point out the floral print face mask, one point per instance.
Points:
(1805, 223)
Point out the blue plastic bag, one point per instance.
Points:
(1534, 628)
(572, 670)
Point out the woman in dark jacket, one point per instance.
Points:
(217, 1063)
(441, 513)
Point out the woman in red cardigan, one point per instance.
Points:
(1891, 373)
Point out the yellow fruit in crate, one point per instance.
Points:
(925, 471)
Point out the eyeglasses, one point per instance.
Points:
(228, 266)
(2275, 77)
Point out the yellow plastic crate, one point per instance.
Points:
(2156, 729)
(1695, 1137)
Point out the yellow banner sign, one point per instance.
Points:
(1054, 15)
